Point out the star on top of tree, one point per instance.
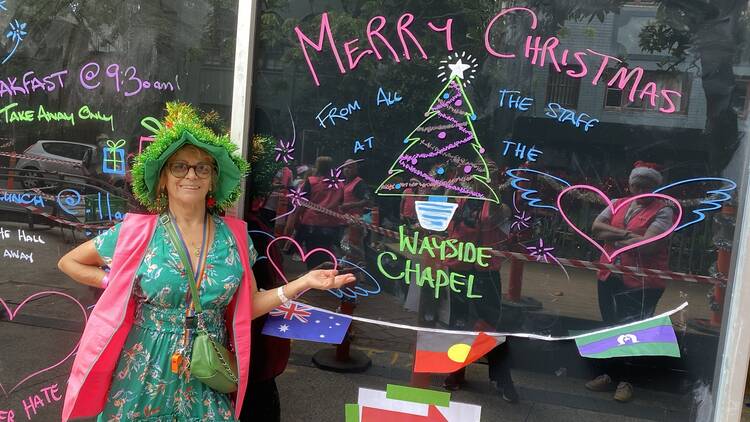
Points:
(458, 68)
(461, 65)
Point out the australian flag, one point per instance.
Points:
(301, 322)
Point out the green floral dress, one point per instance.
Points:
(144, 388)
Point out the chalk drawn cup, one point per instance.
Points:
(301, 254)
(434, 215)
(614, 208)
(12, 315)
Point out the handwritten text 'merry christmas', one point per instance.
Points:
(537, 50)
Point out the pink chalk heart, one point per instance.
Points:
(620, 204)
(12, 315)
(301, 253)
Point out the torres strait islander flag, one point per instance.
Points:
(441, 353)
(652, 337)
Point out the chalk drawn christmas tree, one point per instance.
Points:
(443, 158)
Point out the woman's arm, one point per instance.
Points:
(83, 264)
(266, 300)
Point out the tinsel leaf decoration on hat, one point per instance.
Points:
(182, 125)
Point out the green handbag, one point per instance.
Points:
(210, 362)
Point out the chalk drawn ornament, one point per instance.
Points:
(12, 314)
(620, 204)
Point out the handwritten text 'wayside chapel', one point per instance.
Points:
(537, 50)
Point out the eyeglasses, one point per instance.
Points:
(180, 169)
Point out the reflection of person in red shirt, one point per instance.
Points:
(408, 210)
(627, 298)
(316, 229)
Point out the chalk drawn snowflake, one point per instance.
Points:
(284, 151)
(16, 34)
(335, 179)
(544, 254)
(521, 221)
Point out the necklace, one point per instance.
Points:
(197, 251)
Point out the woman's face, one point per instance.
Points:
(189, 176)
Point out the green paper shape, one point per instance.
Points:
(418, 395)
(352, 412)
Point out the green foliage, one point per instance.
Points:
(264, 166)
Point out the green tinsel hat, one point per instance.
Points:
(182, 126)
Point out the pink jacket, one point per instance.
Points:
(110, 322)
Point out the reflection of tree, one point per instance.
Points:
(709, 33)
(159, 38)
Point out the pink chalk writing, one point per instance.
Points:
(543, 51)
(407, 39)
(539, 51)
(34, 403)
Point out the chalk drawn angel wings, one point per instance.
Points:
(700, 195)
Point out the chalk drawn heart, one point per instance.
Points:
(301, 253)
(12, 315)
(621, 203)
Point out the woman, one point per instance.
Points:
(628, 298)
(133, 359)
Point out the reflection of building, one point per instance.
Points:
(683, 141)
(657, 133)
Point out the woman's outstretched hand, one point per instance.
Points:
(326, 279)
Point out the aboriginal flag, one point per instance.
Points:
(441, 353)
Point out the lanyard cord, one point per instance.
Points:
(198, 271)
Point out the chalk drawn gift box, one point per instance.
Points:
(114, 157)
(435, 213)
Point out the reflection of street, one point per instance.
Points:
(549, 374)
(44, 330)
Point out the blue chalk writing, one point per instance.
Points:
(387, 97)
(513, 99)
(360, 146)
(328, 114)
(563, 115)
(22, 199)
(521, 150)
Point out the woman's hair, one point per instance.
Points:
(161, 187)
(323, 165)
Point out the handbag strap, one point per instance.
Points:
(172, 233)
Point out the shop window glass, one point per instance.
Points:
(470, 127)
(77, 79)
